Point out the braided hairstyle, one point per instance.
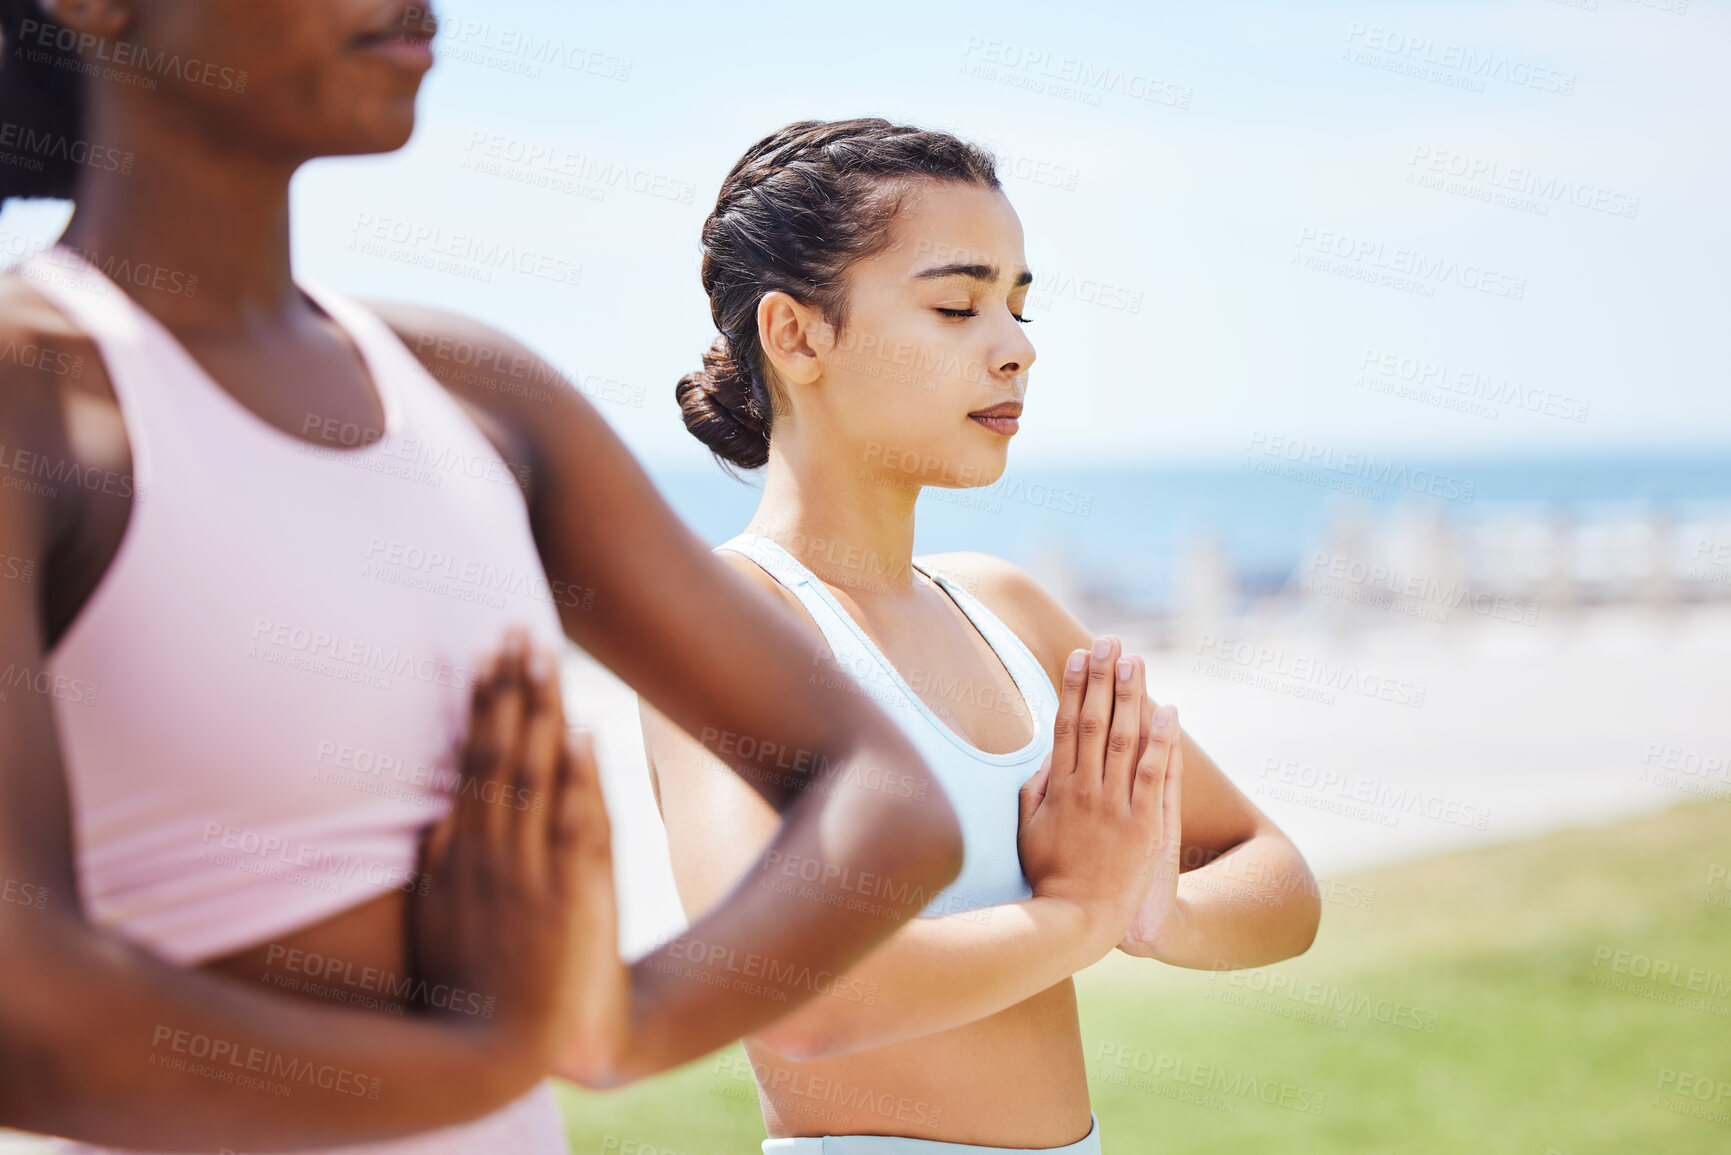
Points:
(800, 207)
(41, 104)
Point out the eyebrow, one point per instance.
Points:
(973, 272)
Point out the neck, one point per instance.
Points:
(851, 526)
(192, 206)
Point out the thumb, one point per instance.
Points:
(1034, 790)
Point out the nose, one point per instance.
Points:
(1017, 353)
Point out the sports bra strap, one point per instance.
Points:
(1024, 667)
(853, 647)
(838, 629)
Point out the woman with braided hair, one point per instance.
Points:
(230, 711)
(870, 288)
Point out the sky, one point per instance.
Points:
(1434, 229)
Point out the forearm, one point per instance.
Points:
(103, 1043)
(1253, 905)
(849, 865)
(939, 973)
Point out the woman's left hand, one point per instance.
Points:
(1157, 919)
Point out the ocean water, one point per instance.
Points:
(1124, 528)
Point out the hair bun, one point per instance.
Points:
(723, 409)
(792, 216)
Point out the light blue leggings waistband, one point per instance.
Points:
(1088, 1144)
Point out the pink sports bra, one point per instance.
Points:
(266, 693)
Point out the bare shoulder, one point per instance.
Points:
(50, 372)
(655, 725)
(467, 355)
(761, 578)
(519, 399)
(1007, 589)
(51, 381)
(1042, 622)
(41, 348)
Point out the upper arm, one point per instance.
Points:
(36, 852)
(717, 825)
(717, 821)
(1216, 814)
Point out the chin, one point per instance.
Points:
(380, 120)
(383, 135)
(986, 468)
(398, 135)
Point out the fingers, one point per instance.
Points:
(1147, 714)
(498, 774)
(1095, 722)
(1122, 741)
(582, 832)
(482, 744)
(493, 747)
(1172, 810)
(481, 747)
(1063, 762)
(1149, 795)
(544, 733)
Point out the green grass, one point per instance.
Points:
(1495, 948)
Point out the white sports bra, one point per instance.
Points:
(983, 787)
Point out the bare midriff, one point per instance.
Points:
(359, 958)
(1013, 1079)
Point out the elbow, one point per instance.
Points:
(1311, 924)
(1299, 899)
(925, 833)
(1308, 918)
(1303, 909)
(935, 841)
(598, 1068)
(593, 1076)
(913, 822)
(1305, 928)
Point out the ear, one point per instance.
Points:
(103, 18)
(794, 337)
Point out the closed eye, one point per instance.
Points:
(976, 313)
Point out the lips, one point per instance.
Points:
(999, 418)
(404, 35)
(403, 22)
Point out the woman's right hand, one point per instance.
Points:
(518, 910)
(1091, 817)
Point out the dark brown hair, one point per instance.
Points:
(800, 207)
(41, 104)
